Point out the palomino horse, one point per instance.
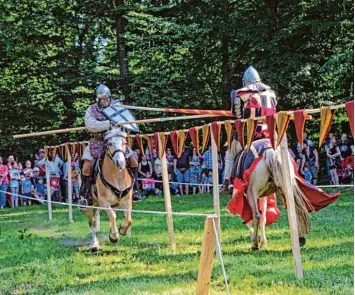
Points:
(265, 180)
(113, 187)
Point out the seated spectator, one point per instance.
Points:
(207, 159)
(310, 157)
(195, 170)
(333, 154)
(157, 174)
(148, 185)
(171, 163)
(182, 171)
(14, 176)
(4, 183)
(348, 175)
(174, 187)
(210, 180)
(345, 150)
(39, 185)
(144, 167)
(54, 186)
(26, 188)
(307, 174)
(204, 187)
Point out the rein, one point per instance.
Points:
(118, 193)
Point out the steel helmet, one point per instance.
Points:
(102, 91)
(250, 76)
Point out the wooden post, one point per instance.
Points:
(206, 259)
(49, 196)
(97, 219)
(167, 200)
(291, 211)
(70, 187)
(215, 177)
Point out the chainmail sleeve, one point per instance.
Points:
(94, 125)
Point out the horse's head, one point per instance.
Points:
(116, 146)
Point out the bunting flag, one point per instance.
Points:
(178, 141)
(216, 133)
(229, 129)
(45, 152)
(129, 141)
(139, 143)
(160, 143)
(299, 119)
(205, 136)
(239, 128)
(326, 119)
(150, 144)
(72, 150)
(53, 153)
(193, 132)
(251, 127)
(282, 120)
(271, 128)
(350, 112)
(60, 152)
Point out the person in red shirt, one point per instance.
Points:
(4, 183)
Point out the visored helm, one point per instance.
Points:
(102, 91)
(250, 76)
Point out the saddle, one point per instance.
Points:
(245, 158)
(96, 169)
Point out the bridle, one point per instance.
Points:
(111, 155)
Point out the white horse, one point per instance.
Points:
(266, 179)
(114, 187)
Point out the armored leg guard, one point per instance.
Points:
(85, 191)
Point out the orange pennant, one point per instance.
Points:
(239, 128)
(282, 120)
(216, 132)
(251, 126)
(229, 130)
(193, 132)
(326, 119)
(46, 152)
(299, 120)
(181, 141)
(139, 143)
(205, 136)
(162, 144)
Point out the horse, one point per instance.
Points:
(264, 180)
(113, 187)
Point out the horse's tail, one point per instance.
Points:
(273, 162)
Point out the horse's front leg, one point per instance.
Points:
(114, 236)
(90, 214)
(263, 206)
(253, 202)
(127, 205)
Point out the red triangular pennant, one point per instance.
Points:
(299, 119)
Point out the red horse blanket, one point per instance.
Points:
(239, 205)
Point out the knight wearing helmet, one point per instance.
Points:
(98, 119)
(255, 99)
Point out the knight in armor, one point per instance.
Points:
(97, 122)
(255, 99)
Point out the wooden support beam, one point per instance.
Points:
(167, 200)
(291, 210)
(49, 196)
(215, 177)
(206, 259)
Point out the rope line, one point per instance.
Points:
(117, 209)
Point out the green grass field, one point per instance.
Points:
(52, 258)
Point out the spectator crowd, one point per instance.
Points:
(191, 173)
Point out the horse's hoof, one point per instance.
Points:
(255, 248)
(122, 232)
(94, 249)
(113, 241)
(302, 241)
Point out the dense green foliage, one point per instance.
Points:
(164, 53)
(52, 257)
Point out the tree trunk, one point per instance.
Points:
(122, 50)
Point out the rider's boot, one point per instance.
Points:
(227, 187)
(85, 195)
